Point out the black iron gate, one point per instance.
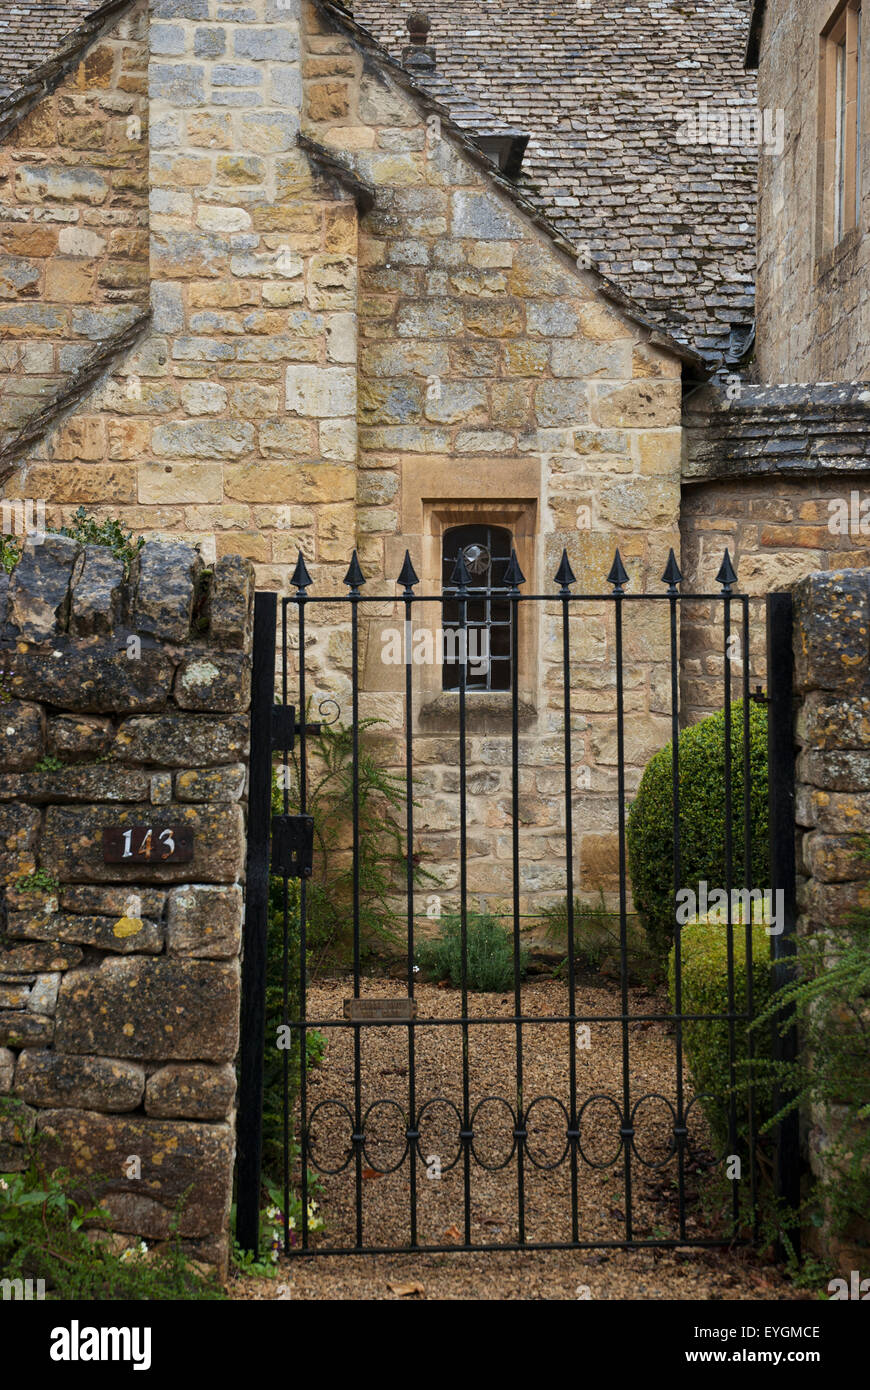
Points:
(280, 848)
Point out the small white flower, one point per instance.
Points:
(4, 1186)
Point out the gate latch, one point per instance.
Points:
(285, 728)
(293, 846)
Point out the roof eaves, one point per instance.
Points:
(44, 79)
(701, 367)
(326, 161)
(71, 393)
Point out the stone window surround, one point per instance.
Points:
(518, 515)
(842, 26)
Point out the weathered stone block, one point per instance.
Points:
(180, 1010)
(232, 598)
(205, 921)
(484, 217)
(165, 581)
(72, 839)
(122, 934)
(96, 592)
(7, 1070)
(322, 392)
(92, 899)
(211, 784)
(22, 735)
(98, 783)
(21, 1029)
(178, 84)
(43, 995)
(214, 681)
(832, 622)
(92, 675)
(182, 740)
(200, 1170)
(19, 835)
(73, 737)
(191, 1092)
(39, 587)
(80, 1083)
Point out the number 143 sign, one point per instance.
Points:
(148, 844)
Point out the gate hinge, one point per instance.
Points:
(293, 846)
(285, 728)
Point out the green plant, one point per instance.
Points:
(44, 1218)
(40, 881)
(706, 1042)
(702, 818)
(88, 531)
(48, 764)
(381, 845)
(828, 999)
(597, 936)
(10, 553)
(489, 953)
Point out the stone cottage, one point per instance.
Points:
(281, 276)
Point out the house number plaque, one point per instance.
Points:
(372, 1010)
(148, 844)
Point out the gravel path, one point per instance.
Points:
(494, 1204)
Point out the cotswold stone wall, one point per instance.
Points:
(496, 383)
(813, 304)
(832, 660)
(124, 704)
(73, 221)
(781, 476)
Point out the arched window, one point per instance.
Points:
(487, 552)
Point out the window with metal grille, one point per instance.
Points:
(488, 640)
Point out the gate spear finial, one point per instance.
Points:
(408, 576)
(513, 575)
(300, 578)
(564, 575)
(354, 577)
(618, 575)
(672, 575)
(727, 575)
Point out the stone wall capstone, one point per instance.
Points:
(124, 703)
(832, 681)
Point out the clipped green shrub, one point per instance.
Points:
(702, 818)
(490, 953)
(704, 977)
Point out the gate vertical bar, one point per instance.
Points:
(749, 931)
(253, 1007)
(672, 578)
(781, 772)
(461, 577)
(409, 579)
(727, 584)
(565, 577)
(354, 579)
(514, 578)
(619, 578)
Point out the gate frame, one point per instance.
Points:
(781, 801)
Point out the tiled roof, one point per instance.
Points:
(603, 88)
(31, 32)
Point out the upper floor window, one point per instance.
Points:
(840, 104)
(488, 643)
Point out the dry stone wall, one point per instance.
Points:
(832, 661)
(124, 704)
